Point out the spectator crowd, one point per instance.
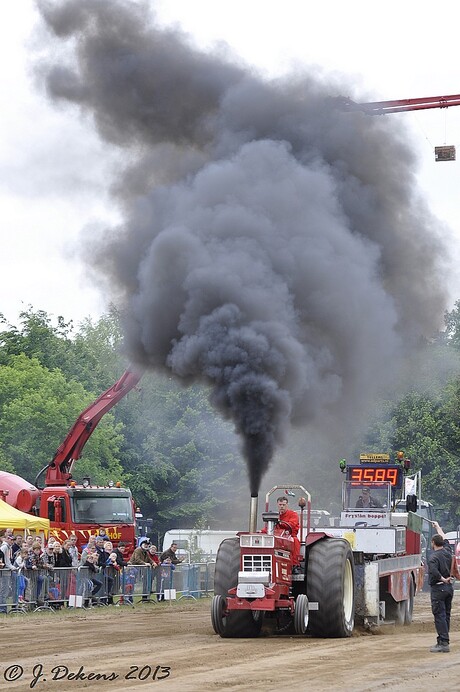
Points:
(32, 567)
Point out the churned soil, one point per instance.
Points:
(172, 646)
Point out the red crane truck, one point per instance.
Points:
(71, 508)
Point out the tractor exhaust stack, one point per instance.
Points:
(253, 514)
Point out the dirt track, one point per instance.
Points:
(115, 641)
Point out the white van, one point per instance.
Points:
(196, 545)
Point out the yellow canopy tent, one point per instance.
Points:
(10, 517)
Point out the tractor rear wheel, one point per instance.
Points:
(227, 566)
(331, 583)
(237, 623)
(301, 614)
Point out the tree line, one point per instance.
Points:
(180, 459)
(163, 441)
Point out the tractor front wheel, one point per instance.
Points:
(301, 614)
(219, 614)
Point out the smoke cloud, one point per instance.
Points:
(273, 246)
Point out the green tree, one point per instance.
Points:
(37, 408)
(97, 346)
(37, 338)
(180, 458)
(5, 465)
(189, 468)
(452, 322)
(91, 355)
(427, 428)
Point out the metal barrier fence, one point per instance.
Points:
(24, 590)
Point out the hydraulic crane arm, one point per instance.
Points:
(402, 105)
(58, 471)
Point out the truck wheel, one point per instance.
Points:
(301, 614)
(237, 623)
(331, 583)
(409, 607)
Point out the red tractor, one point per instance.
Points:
(254, 581)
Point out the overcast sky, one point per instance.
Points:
(54, 170)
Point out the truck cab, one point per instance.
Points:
(82, 510)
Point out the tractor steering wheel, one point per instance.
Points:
(284, 526)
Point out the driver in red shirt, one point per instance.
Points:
(288, 516)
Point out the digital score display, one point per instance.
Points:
(376, 474)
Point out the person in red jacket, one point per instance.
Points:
(288, 516)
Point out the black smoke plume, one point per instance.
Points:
(272, 246)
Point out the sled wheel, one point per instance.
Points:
(409, 610)
(395, 610)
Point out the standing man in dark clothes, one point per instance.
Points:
(442, 589)
(142, 558)
(171, 553)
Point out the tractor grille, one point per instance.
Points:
(257, 563)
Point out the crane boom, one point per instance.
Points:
(402, 105)
(58, 471)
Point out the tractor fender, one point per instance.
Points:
(312, 538)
